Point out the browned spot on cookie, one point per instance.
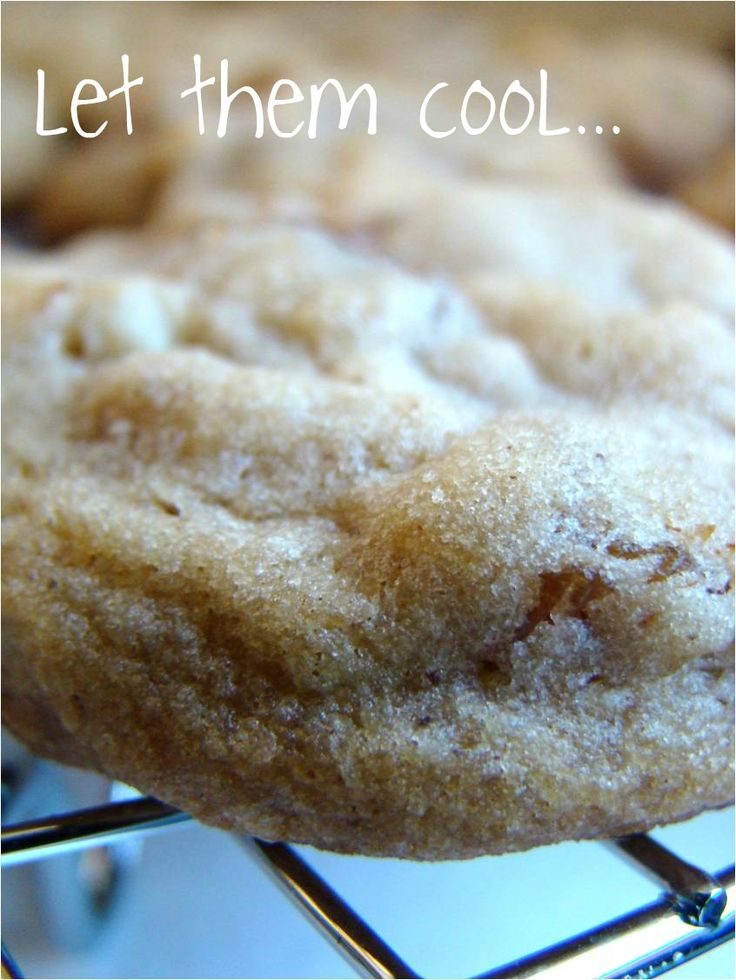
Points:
(567, 593)
(672, 560)
(168, 508)
(74, 345)
(492, 673)
(704, 531)
(648, 619)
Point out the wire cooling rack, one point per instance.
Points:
(694, 914)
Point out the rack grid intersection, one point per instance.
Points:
(694, 914)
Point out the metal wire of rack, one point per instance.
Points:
(694, 914)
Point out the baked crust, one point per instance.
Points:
(412, 538)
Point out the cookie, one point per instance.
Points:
(114, 176)
(24, 155)
(711, 192)
(407, 538)
(651, 87)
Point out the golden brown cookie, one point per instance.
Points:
(410, 538)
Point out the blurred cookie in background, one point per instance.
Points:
(24, 154)
(659, 72)
(711, 192)
(112, 178)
